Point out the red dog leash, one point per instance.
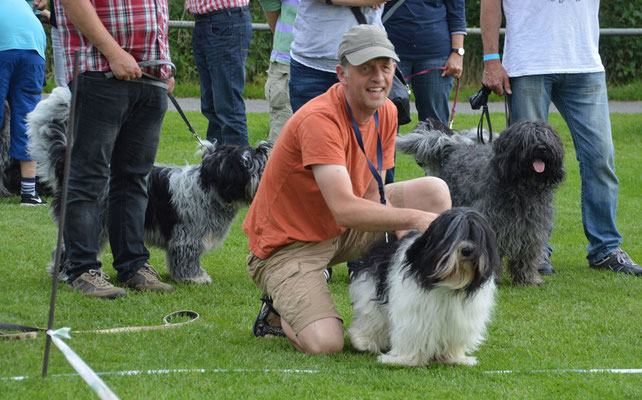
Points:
(452, 113)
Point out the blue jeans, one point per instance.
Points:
(582, 101)
(431, 90)
(117, 132)
(307, 83)
(221, 41)
(22, 73)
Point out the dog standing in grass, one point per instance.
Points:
(190, 209)
(427, 297)
(510, 180)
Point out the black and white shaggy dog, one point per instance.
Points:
(427, 297)
(190, 209)
(510, 180)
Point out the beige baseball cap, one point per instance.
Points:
(362, 43)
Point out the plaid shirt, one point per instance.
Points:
(139, 26)
(206, 6)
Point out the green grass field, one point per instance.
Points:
(580, 320)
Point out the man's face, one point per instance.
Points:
(367, 85)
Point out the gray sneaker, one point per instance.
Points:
(146, 278)
(94, 283)
(618, 261)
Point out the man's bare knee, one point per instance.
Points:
(324, 336)
(428, 194)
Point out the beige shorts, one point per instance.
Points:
(293, 274)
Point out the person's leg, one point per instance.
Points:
(531, 98)
(222, 44)
(102, 106)
(200, 48)
(25, 87)
(429, 194)
(131, 161)
(431, 90)
(307, 83)
(278, 96)
(582, 100)
(59, 58)
(293, 277)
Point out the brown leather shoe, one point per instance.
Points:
(146, 278)
(94, 283)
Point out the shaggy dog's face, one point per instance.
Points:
(529, 155)
(458, 250)
(234, 171)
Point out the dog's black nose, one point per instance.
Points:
(466, 251)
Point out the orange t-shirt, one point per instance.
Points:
(288, 205)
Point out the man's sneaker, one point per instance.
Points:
(618, 261)
(327, 273)
(94, 283)
(545, 267)
(32, 200)
(146, 278)
(261, 326)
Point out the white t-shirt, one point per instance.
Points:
(551, 37)
(318, 29)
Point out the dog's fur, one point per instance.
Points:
(510, 180)
(190, 209)
(427, 297)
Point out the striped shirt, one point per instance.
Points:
(207, 6)
(284, 32)
(139, 26)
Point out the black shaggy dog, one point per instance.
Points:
(510, 180)
(190, 209)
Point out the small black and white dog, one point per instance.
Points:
(510, 180)
(427, 297)
(190, 209)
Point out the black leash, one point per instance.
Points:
(477, 101)
(180, 111)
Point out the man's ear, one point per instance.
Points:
(342, 74)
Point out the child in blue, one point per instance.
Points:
(22, 73)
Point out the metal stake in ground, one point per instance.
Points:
(63, 210)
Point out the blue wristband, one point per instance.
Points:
(494, 56)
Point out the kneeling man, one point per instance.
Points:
(321, 201)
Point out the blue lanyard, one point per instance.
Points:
(376, 172)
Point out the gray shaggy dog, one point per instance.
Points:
(510, 180)
(190, 209)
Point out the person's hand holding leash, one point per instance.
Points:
(454, 66)
(495, 77)
(124, 66)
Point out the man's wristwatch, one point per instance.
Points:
(459, 51)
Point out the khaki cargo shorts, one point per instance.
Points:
(293, 274)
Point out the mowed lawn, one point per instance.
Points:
(543, 342)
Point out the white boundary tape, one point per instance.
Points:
(172, 371)
(86, 373)
(577, 371)
(311, 371)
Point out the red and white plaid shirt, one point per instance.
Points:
(206, 6)
(139, 26)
